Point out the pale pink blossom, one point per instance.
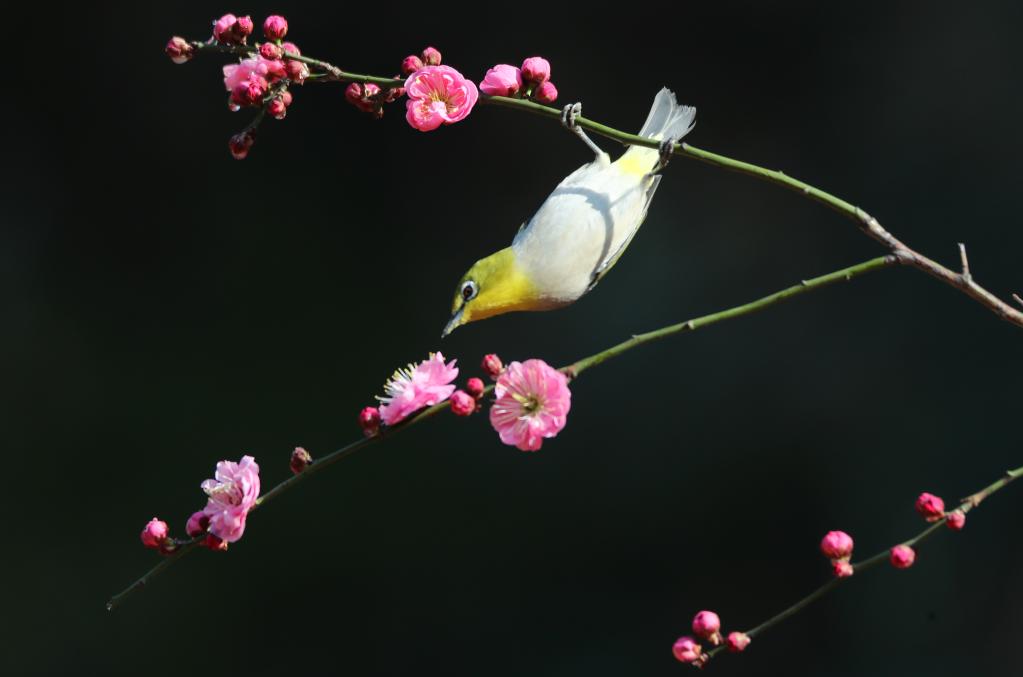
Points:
(417, 386)
(502, 80)
(688, 650)
(232, 494)
(223, 28)
(438, 95)
(197, 524)
(930, 507)
(737, 641)
(837, 545)
(707, 625)
(155, 533)
(532, 403)
(546, 93)
(902, 556)
(536, 69)
(252, 69)
(956, 520)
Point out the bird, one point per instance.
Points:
(580, 230)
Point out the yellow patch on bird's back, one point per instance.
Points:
(637, 161)
(503, 287)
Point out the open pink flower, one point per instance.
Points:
(533, 400)
(438, 95)
(502, 80)
(417, 386)
(247, 70)
(232, 494)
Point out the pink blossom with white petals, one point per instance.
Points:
(417, 386)
(232, 494)
(438, 95)
(532, 404)
(502, 80)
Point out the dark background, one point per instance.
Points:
(166, 307)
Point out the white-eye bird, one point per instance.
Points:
(580, 230)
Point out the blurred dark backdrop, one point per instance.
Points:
(166, 306)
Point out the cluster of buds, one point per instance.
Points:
(707, 627)
(837, 546)
(467, 401)
(932, 509)
(232, 30)
(370, 98)
(531, 81)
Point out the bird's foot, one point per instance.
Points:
(569, 113)
(664, 152)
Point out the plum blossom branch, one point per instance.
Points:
(184, 547)
(900, 556)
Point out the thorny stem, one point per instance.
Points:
(963, 280)
(571, 371)
(966, 504)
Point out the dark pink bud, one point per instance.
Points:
(737, 641)
(214, 543)
(536, 70)
(269, 50)
(240, 96)
(223, 28)
(277, 109)
(837, 545)
(300, 460)
(154, 533)
(492, 365)
(707, 625)
(255, 90)
(286, 98)
(930, 507)
(462, 403)
(243, 27)
(431, 57)
(297, 71)
(353, 93)
(275, 27)
(369, 421)
(410, 64)
(240, 144)
(902, 556)
(688, 650)
(179, 50)
(956, 520)
(197, 524)
(841, 568)
(546, 93)
(474, 387)
(291, 48)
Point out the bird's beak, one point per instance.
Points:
(453, 323)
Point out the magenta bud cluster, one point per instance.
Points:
(837, 546)
(706, 626)
(532, 80)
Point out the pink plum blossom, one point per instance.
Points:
(536, 69)
(255, 69)
(502, 80)
(438, 95)
(223, 28)
(232, 494)
(532, 403)
(417, 386)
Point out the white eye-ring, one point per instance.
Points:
(469, 291)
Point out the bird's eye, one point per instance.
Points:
(469, 290)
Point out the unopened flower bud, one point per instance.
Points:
(687, 650)
(197, 524)
(474, 387)
(837, 545)
(291, 48)
(353, 93)
(300, 460)
(154, 533)
(546, 93)
(269, 50)
(223, 28)
(240, 144)
(275, 27)
(215, 543)
(841, 568)
(902, 556)
(297, 71)
(286, 98)
(502, 80)
(243, 27)
(431, 57)
(369, 421)
(255, 90)
(410, 64)
(930, 507)
(707, 625)
(956, 520)
(536, 69)
(462, 403)
(277, 108)
(179, 50)
(492, 365)
(737, 641)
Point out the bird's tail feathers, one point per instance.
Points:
(666, 118)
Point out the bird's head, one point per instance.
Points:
(494, 285)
